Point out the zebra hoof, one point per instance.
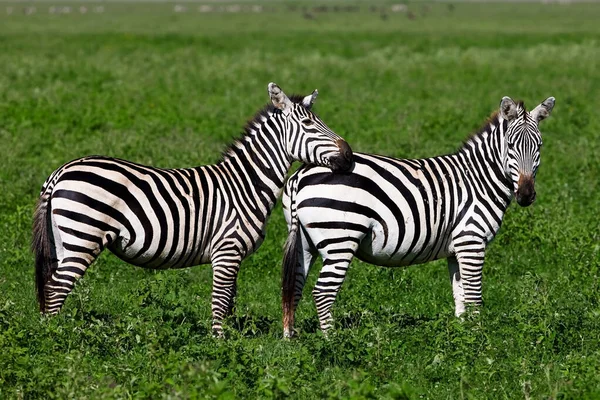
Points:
(218, 332)
(288, 334)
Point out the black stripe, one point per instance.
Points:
(82, 235)
(78, 249)
(338, 225)
(326, 242)
(77, 260)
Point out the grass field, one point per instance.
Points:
(171, 90)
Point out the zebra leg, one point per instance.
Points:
(457, 286)
(335, 265)
(226, 266)
(72, 243)
(470, 264)
(63, 279)
(75, 247)
(76, 251)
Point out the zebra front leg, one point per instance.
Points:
(225, 270)
(457, 286)
(470, 260)
(335, 265)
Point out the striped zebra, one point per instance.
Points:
(393, 212)
(176, 218)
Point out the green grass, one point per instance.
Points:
(142, 83)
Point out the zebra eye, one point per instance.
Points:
(307, 121)
(511, 145)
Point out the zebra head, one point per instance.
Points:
(522, 141)
(307, 137)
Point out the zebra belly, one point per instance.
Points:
(365, 253)
(129, 255)
(159, 255)
(373, 250)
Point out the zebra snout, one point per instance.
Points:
(343, 160)
(346, 150)
(525, 191)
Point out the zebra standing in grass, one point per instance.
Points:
(176, 218)
(393, 212)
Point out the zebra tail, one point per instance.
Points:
(290, 261)
(40, 246)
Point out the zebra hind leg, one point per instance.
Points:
(77, 250)
(335, 265)
(62, 280)
(62, 254)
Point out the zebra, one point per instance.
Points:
(176, 218)
(399, 212)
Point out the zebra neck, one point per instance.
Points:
(483, 156)
(258, 162)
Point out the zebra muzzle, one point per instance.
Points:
(343, 160)
(525, 190)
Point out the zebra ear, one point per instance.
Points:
(309, 100)
(279, 99)
(508, 108)
(543, 111)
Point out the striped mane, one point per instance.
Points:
(492, 120)
(253, 123)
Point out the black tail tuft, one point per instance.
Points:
(40, 245)
(290, 261)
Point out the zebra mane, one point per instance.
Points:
(256, 121)
(492, 120)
